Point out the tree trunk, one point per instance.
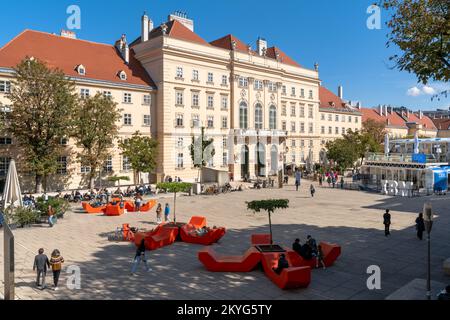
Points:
(38, 187)
(135, 178)
(91, 179)
(175, 208)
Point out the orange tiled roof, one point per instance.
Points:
(442, 124)
(226, 43)
(329, 100)
(271, 53)
(102, 62)
(397, 119)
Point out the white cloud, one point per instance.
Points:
(428, 90)
(413, 92)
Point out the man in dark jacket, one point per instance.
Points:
(420, 226)
(297, 246)
(387, 223)
(282, 264)
(40, 265)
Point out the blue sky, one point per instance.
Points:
(332, 33)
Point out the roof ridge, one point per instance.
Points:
(15, 38)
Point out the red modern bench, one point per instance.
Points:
(129, 205)
(91, 210)
(114, 210)
(188, 234)
(162, 236)
(290, 278)
(198, 222)
(330, 251)
(223, 263)
(260, 239)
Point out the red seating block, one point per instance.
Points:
(114, 210)
(330, 252)
(290, 278)
(91, 210)
(223, 263)
(158, 238)
(260, 239)
(129, 205)
(198, 222)
(189, 235)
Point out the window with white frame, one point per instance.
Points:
(311, 143)
(179, 120)
(283, 125)
(107, 94)
(243, 82)
(272, 118)
(147, 120)
(343, 118)
(85, 169)
(224, 80)
(210, 103)
(302, 111)
(224, 158)
(336, 130)
(258, 85)
(272, 86)
(343, 130)
(4, 166)
(180, 160)
(62, 165)
(147, 100)
(5, 141)
(302, 127)
(336, 118)
(126, 164)
(311, 96)
(210, 122)
(302, 143)
(356, 120)
(293, 158)
(81, 70)
(293, 107)
(293, 91)
(123, 75)
(322, 129)
(108, 165)
(179, 98)
(84, 93)
(349, 119)
(293, 127)
(243, 116)
(195, 121)
(224, 102)
(224, 122)
(284, 109)
(127, 97)
(195, 99)
(330, 117)
(210, 77)
(330, 130)
(179, 74)
(311, 112)
(293, 143)
(5, 86)
(258, 117)
(180, 142)
(195, 75)
(283, 90)
(311, 127)
(225, 142)
(322, 117)
(127, 119)
(302, 93)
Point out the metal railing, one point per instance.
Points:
(408, 158)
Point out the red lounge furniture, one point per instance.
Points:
(330, 252)
(162, 236)
(260, 239)
(114, 210)
(290, 278)
(129, 205)
(198, 222)
(91, 210)
(222, 263)
(189, 235)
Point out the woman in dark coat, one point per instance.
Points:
(420, 226)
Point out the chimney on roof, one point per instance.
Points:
(341, 92)
(123, 48)
(385, 110)
(359, 105)
(380, 109)
(68, 34)
(261, 46)
(183, 18)
(145, 30)
(420, 114)
(151, 25)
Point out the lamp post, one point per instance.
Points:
(428, 220)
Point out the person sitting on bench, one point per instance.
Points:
(282, 264)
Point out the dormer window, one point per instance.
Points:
(123, 75)
(81, 70)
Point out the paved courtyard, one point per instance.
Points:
(349, 218)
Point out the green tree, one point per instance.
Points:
(118, 179)
(362, 142)
(375, 129)
(202, 151)
(174, 187)
(343, 152)
(141, 153)
(94, 129)
(269, 206)
(43, 101)
(421, 29)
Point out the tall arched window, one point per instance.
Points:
(273, 118)
(243, 116)
(258, 117)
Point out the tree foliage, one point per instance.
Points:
(43, 101)
(421, 29)
(94, 129)
(374, 129)
(141, 153)
(344, 153)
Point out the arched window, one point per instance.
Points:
(273, 118)
(258, 117)
(243, 116)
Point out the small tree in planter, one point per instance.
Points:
(270, 206)
(174, 187)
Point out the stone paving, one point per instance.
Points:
(351, 218)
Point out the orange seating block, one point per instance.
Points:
(290, 278)
(222, 263)
(189, 235)
(129, 205)
(114, 210)
(91, 210)
(260, 239)
(158, 238)
(198, 222)
(330, 252)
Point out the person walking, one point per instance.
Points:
(140, 257)
(420, 226)
(159, 214)
(313, 190)
(51, 216)
(320, 180)
(387, 223)
(167, 213)
(319, 258)
(40, 265)
(329, 181)
(138, 202)
(298, 179)
(56, 262)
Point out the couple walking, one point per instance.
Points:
(159, 213)
(41, 263)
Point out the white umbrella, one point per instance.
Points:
(386, 144)
(12, 197)
(416, 144)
